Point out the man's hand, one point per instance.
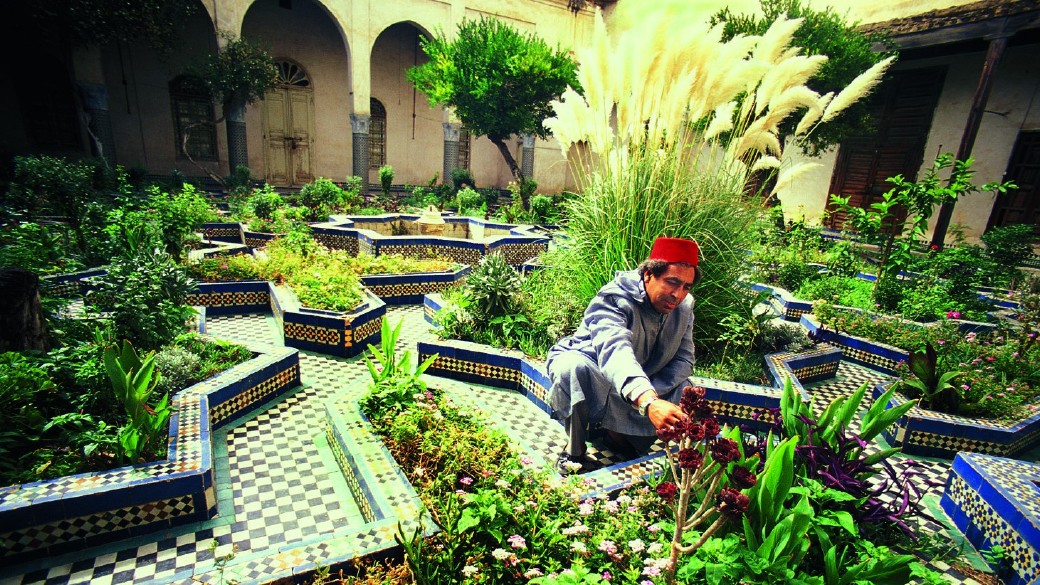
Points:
(663, 413)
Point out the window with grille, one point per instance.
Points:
(193, 115)
(463, 160)
(377, 135)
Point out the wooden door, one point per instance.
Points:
(902, 107)
(289, 127)
(1021, 205)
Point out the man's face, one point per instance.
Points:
(669, 289)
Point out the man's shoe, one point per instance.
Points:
(580, 465)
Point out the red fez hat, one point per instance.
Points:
(675, 250)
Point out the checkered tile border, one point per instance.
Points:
(69, 512)
(994, 501)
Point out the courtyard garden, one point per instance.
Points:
(353, 464)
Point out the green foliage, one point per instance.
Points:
(176, 367)
(179, 216)
(322, 198)
(386, 178)
(884, 223)
(395, 383)
(840, 290)
(467, 199)
(41, 248)
(849, 52)
(497, 80)
(241, 73)
(462, 178)
(144, 296)
(133, 381)
(98, 22)
(493, 287)
(936, 389)
(1008, 247)
(263, 202)
(239, 181)
(53, 186)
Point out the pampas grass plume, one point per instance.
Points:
(859, 87)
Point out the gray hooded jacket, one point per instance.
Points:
(633, 346)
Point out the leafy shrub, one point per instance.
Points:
(144, 297)
(263, 202)
(240, 180)
(468, 199)
(177, 367)
(1008, 247)
(322, 197)
(40, 248)
(386, 178)
(462, 178)
(494, 286)
(224, 268)
(179, 215)
(542, 208)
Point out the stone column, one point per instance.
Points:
(527, 156)
(99, 122)
(451, 150)
(359, 124)
(236, 138)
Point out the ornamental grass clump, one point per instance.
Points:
(669, 136)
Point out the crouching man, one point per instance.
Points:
(625, 366)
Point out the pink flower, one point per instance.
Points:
(953, 314)
(466, 481)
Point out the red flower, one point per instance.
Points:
(742, 478)
(690, 458)
(670, 434)
(731, 502)
(667, 491)
(711, 427)
(725, 450)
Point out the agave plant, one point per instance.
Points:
(937, 391)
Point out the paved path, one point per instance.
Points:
(278, 483)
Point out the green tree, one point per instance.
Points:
(497, 80)
(98, 22)
(849, 52)
(237, 75)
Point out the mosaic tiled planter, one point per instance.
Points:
(996, 501)
(409, 289)
(936, 434)
(342, 334)
(72, 284)
(232, 298)
(518, 243)
(229, 231)
(734, 403)
(924, 432)
(50, 517)
(379, 487)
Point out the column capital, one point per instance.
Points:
(359, 123)
(452, 132)
(527, 140)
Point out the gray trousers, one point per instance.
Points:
(581, 395)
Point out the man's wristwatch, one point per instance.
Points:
(643, 406)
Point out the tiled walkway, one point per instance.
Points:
(279, 485)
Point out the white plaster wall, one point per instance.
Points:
(1013, 105)
(308, 35)
(415, 133)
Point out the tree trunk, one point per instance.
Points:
(513, 168)
(22, 324)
